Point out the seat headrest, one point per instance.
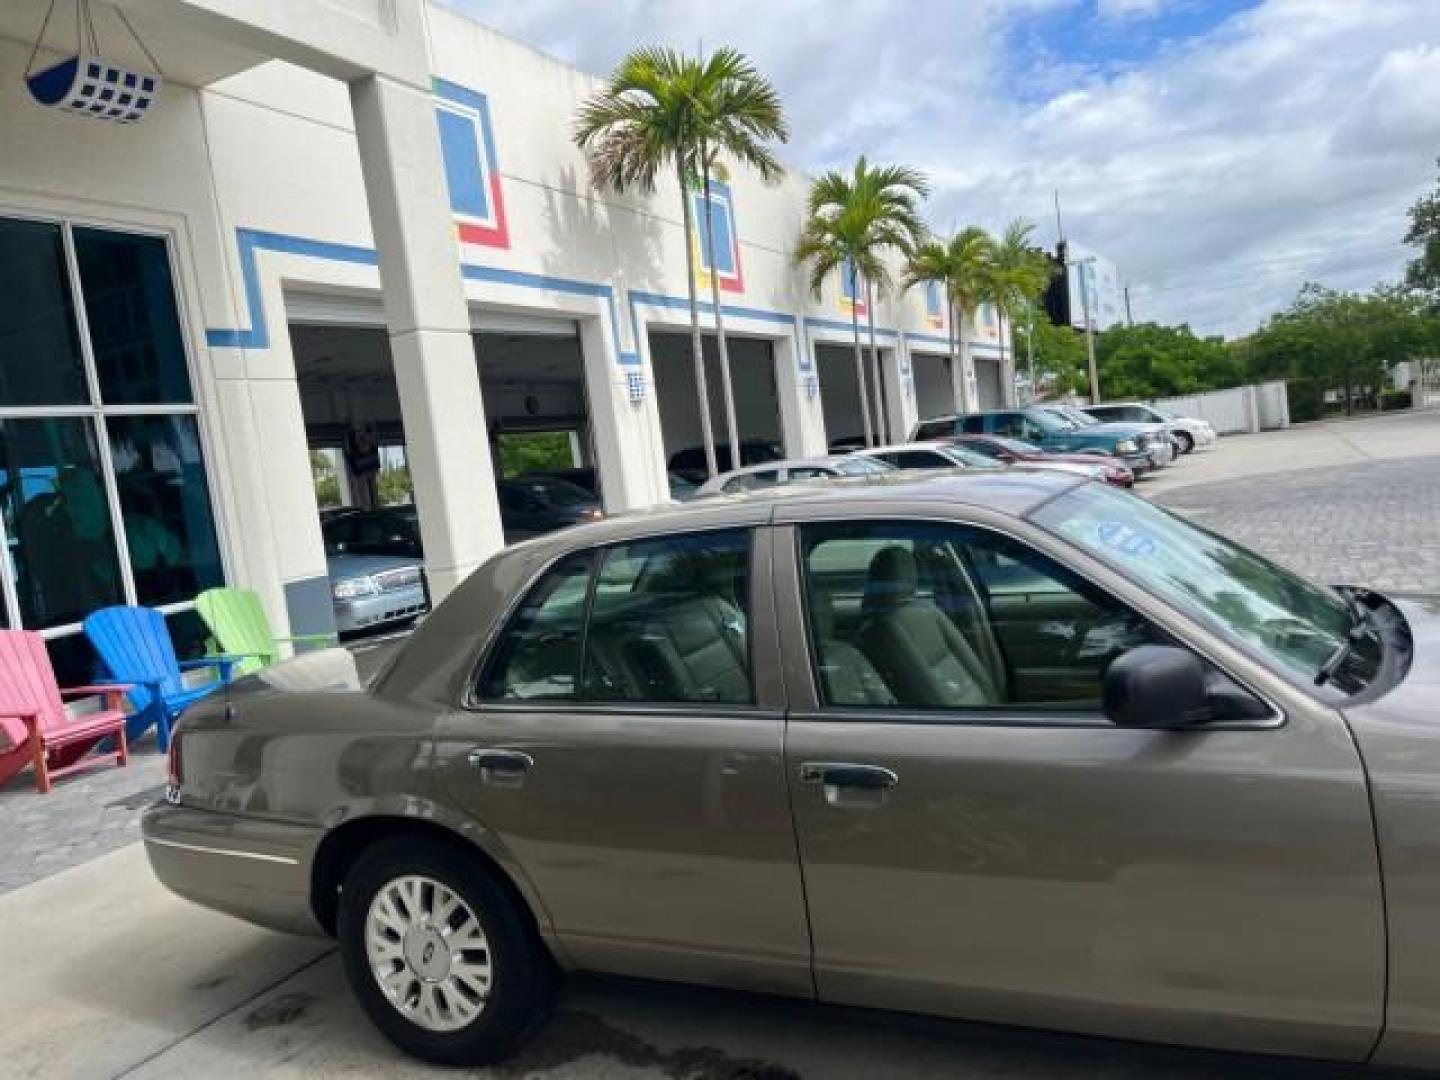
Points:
(890, 581)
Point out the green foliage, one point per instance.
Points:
(1059, 356)
(1151, 361)
(960, 266)
(327, 484)
(1340, 341)
(393, 485)
(1423, 272)
(534, 451)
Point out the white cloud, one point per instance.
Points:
(1219, 172)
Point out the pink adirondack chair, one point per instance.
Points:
(33, 717)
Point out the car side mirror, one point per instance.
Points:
(1156, 686)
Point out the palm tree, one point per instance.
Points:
(960, 266)
(662, 109)
(1018, 274)
(852, 222)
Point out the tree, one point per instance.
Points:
(662, 109)
(327, 483)
(1018, 273)
(852, 223)
(1149, 360)
(1423, 272)
(1059, 357)
(959, 266)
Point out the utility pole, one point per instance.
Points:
(1129, 319)
(1030, 347)
(1089, 337)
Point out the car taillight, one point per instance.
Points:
(174, 766)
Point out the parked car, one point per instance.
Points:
(789, 470)
(1009, 451)
(1000, 745)
(1156, 438)
(1188, 434)
(371, 591)
(690, 462)
(1049, 430)
(586, 477)
(390, 530)
(931, 455)
(536, 504)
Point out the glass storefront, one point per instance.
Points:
(104, 496)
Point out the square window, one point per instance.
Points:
(126, 99)
(148, 85)
(106, 94)
(93, 71)
(111, 75)
(129, 78)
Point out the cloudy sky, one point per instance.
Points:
(1220, 152)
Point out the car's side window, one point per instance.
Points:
(918, 459)
(670, 621)
(973, 425)
(929, 615)
(537, 656)
(1007, 424)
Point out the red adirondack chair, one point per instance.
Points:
(33, 716)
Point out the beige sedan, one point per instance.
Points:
(1009, 746)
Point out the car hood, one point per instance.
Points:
(1118, 428)
(353, 566)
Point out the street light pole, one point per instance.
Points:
(1089, 329)
(1030, 347)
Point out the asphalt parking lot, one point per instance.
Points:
(108, 975)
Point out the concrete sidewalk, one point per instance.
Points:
(108, 975)
(1308, 446)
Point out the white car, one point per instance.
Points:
(949, 456)
(1188, 434)
(787, 471)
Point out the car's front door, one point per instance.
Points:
(978, 840)
(624, 745)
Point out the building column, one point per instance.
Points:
(899, 394)
(446, 443)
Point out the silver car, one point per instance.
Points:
(371, 591)
(997, 744)
(788, 471)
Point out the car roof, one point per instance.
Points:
(1015, 490)
(928, 444)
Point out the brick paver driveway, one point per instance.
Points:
(1375, 524)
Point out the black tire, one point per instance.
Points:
(1185, 441)
(522, 973)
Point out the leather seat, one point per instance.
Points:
(690, 650)
(922, 656)
(848, 676)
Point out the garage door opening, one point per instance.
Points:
(840, 396)
(934, 388)
(987, 383)
(757, 402)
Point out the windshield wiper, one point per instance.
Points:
(1356, 634)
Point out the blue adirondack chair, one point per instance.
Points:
(135, 647)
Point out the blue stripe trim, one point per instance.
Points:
(248, 241)
(928, 338)
(840, 324)
(499, 276)
(648, 299)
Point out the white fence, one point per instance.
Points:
(1259, 407)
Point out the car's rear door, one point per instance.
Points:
(624, 744)
(1024, 861)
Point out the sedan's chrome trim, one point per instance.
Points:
(205, 850)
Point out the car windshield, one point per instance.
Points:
(553, 490)
(1054, 420)
(1263, 607)
(1017, 446)
(1081, 417)
(861, 466)
(971, 459)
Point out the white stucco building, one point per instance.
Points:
(345, 220)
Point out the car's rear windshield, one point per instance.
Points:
(1262, 607)
(555, 491)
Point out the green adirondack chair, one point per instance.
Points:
(238, 627)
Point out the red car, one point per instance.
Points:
(1012, 451)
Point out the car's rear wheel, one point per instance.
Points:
(438, 954)
(1184, 441)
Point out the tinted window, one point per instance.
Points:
(40, 359)
(58, 520)
(670, 621)
(929, 616)
(537, 657)
(134, 327)
(165, 504)
(934, 429)
(919, 459)
(972, 425)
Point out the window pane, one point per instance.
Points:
(40, 359)
(937, 616)
(538, 656)
(134, 326)
(57, 520)
(165, 501)
(670, 622)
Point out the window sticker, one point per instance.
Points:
(1126, 539)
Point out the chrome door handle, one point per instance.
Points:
(846, 775)
(501, 768)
